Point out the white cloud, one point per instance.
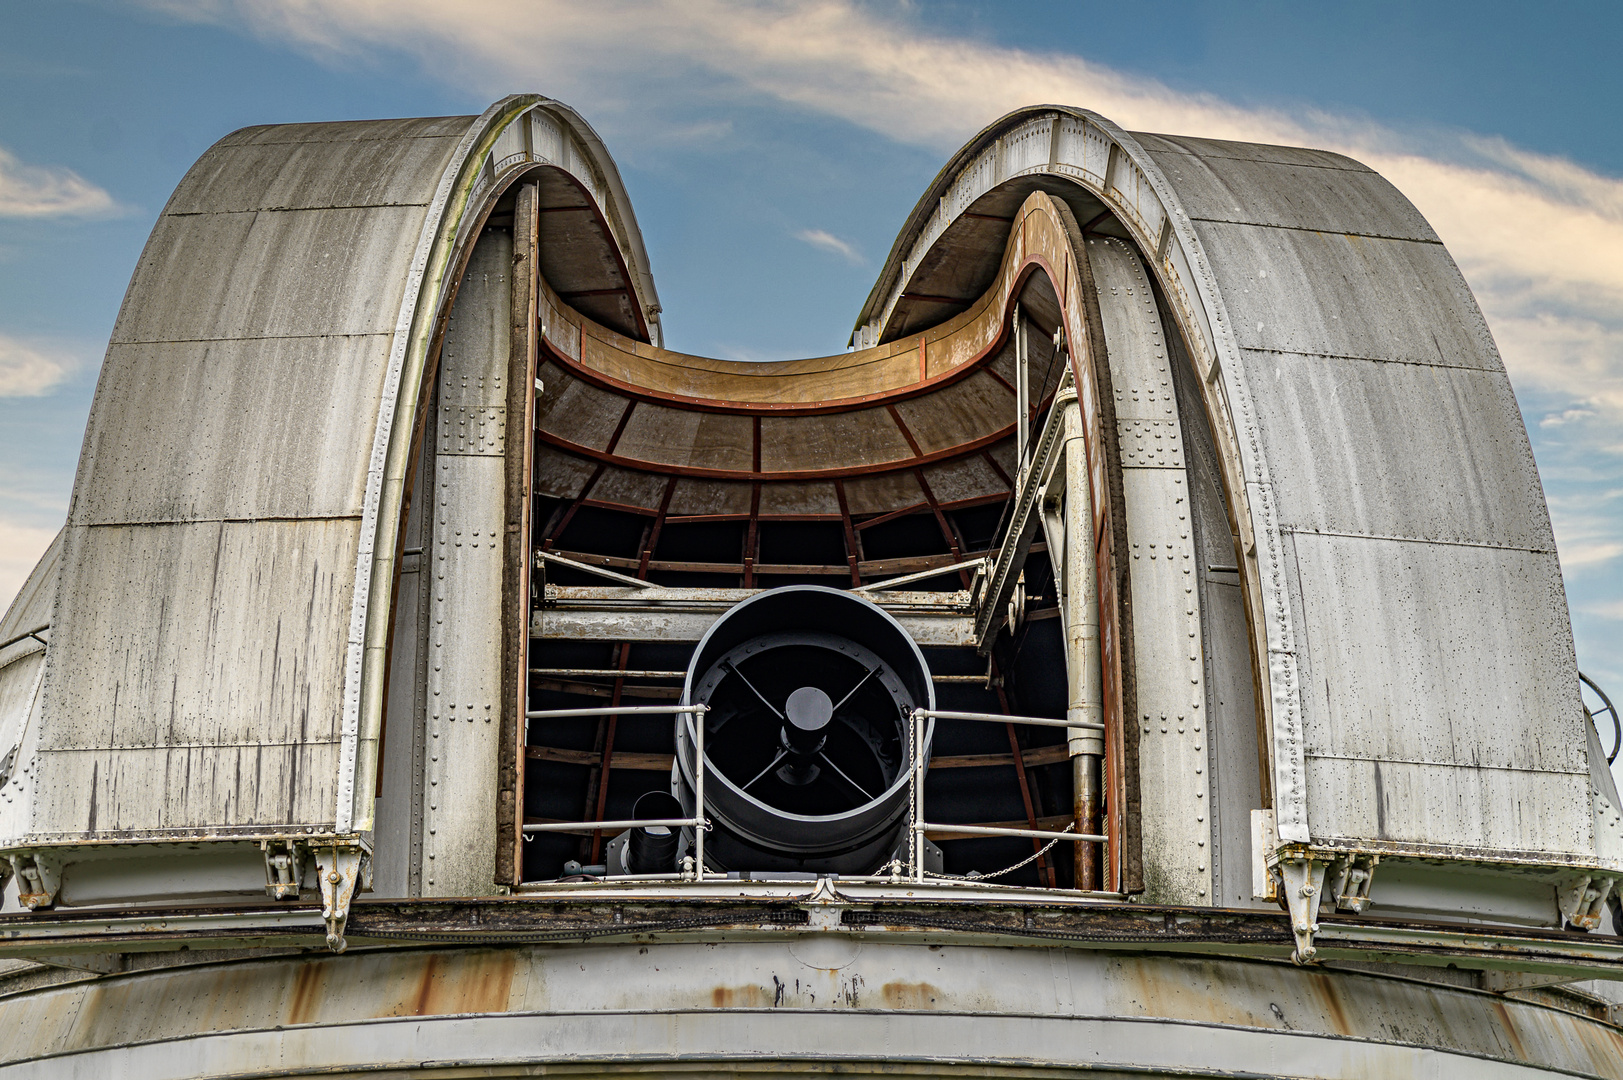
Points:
(33, 369)
(37, 191)
(20, 548)
(827, 241)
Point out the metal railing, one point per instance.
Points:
(917, 824)
(698, 822)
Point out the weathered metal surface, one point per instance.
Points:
(805, 1001)
(1168, 664)
(464, 699)
(1342, 361)
(223, 579)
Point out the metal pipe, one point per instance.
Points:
(34, 633)
(1022, 396)
(598, 570)
(986, 830)
(594, 826)
(700, 824)
(916, 773)
(1079, 616)
(624, 710)
(891, 583)
(999, 718)
(605, 673)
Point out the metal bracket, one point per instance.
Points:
(38, 878)
(284, 868)
(339, 870)
(1304, 888)
(1583, 899)
(1348, 880)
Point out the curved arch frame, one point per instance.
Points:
(479, 171)
(1112, 166)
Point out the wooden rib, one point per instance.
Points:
(665, 468)
(1042, 755)
(892, 516)
(752, 536)
(905, 564)
(624, 761)
(901, 425)
(657, 528)
(627, 761)
(851, 550)
(1005, 477)
(1005, 383)
(619, 429)
(580, 500)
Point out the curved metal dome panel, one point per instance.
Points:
(1401, 567)
(230, 545)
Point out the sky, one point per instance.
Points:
(772, 151)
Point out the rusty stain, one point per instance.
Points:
(307, 985)
(743, 997)
(909, 995)
(1325, 988)
(1508, 1025)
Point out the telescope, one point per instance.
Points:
(807, 750)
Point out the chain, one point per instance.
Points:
(1027, 861)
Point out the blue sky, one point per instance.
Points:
(772, 150)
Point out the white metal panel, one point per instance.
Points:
(1451, 661)
(300, 170)
(1319, 191)
(1463, 643)
(464, 699)
(209, 430)
(1449, 809)
(200, 653)
(31, 607)
(289, 273)
(1396, 449)
(1332, 294)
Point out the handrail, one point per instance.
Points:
(891, 583)
(918, 826)
(588, 568)
(698, 822)
(1000, 718)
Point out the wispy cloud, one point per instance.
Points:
(34, 368)
(1539, 238)
(827, 241)
(42, 191)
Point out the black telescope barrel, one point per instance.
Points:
(807, 735)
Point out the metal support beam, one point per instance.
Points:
(1011, 556)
